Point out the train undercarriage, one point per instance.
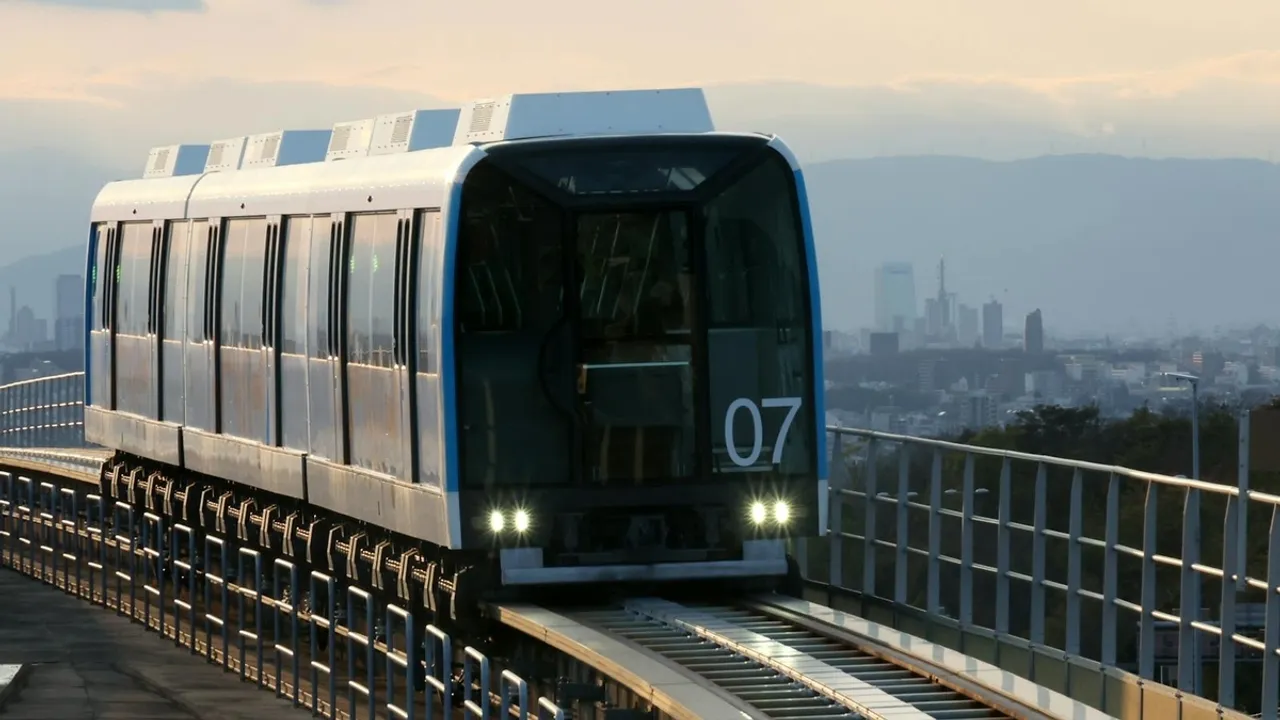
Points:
(326, 553)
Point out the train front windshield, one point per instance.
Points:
(633, 312)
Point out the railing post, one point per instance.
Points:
(1037, 555)
(835, 524)
(869, 534)
(966, 546)
(1241, 566)
(1003, 542)
(904, 536)
(1110, 572)
(1227, 607)
(1146, 626)
(1188, 635)
(1075, 527)
(934, 588)
(1271, 663)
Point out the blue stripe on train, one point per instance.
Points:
(815, 308)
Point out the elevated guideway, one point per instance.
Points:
(983, 567)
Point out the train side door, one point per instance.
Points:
(339, 258)
(403, 331)
(270, 329)
(208, 352)
(155, 303)
(635, 320)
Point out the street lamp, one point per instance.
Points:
(1194, 381)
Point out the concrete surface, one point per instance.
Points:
(86, 663)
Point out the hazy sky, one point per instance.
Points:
(97, 82)
(83, 49)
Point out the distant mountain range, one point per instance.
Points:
(1098, 242)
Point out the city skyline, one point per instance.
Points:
(27, 331)
(945, 321)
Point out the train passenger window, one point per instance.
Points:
(244, 254)
(133, 276)
(514, 371)
(371, 290)
(318, 288)
(98, 280)
(198, 260)
(429, 240)
(175, 286)
(293, 289)
(508, 258)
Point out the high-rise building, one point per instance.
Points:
(992, 325)
(895, 300)
(939, 309)
(1033, 333)
(967, 325)
(68, 321)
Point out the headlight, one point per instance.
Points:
(770, 512)
(501, 522)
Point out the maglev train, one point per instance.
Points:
(572, 337)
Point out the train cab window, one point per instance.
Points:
(641, 170)
(641, 340)
(133, 278)
(758, 335)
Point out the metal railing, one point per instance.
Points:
(1059, 570)
(325, 644)
(44, 412)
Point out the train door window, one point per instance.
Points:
(369, 307)
(758, 334)
(175, 284)
(244, 253)
(198, 260)
(293, 288)
(253, 291)
(134, 278)
(318, 276)
(229, 290)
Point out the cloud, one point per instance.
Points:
(119, 124)
(140, 6)
(1226, 107)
